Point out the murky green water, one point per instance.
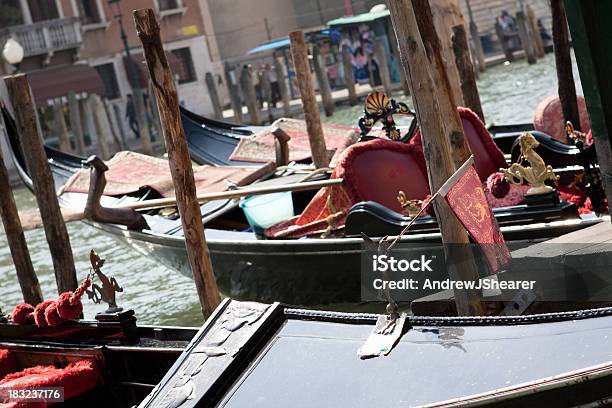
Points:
(509, 94)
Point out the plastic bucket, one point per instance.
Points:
(263, 211)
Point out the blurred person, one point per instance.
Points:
(130, 114)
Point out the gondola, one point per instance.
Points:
(306, 271)
(559, 359)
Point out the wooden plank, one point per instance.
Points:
(412, 22)
(469, 87)
(299, 51)
(28, 281)
(178, 157)
(44, 186)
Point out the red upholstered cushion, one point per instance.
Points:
(487, 157)
(8, 363)
(75, 378)
(377, 170)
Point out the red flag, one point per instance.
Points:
(466, 197)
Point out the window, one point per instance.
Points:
(185, 70)
(168, 4)
(89, 11)
(42, 10)
(10, 13)
(109, 78)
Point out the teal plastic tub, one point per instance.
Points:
(263, 211)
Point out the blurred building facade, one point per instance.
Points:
(61, 37)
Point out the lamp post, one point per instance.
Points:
(131, 69)
(133, 79)
(13, 53)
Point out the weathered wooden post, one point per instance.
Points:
(231, 82)
(280, 75)
(120, 125)
(246, 81)
(44, 186)
(433, 102)
(469, 87)
(60, 126)
(178, 157)
(75, 123)
(563, 63)
(28, 281)
(525, 36)
(214, 95)
(502, 41)
(538, 46)
(383, 64)
(266, 90)
(143, 121)
(116, 134)
(299, 52)
(322, 81)
(460, 150)
(101, 130)
(349, 76)
(482, 65)
(590, 28)
(447, 14)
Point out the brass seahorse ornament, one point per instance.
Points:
(109, 288)
(535, 175)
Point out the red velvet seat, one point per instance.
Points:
(487, 157)
(75, 379)
(8, 363)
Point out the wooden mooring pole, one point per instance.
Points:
(280, 75)
(95, 108)
(28, 281)
(75, 123)
(469, 87)
(248, 90)
(383, 64)
(349, 77)
(44, 186)
(178, 157)
(214, 95)
(563, 63)
(525, 36)
(538, 46)
(232, 88)
(322, 81)
(474, 33)
(299, 51)
(60, 126)
(143, 121)
(433, 102)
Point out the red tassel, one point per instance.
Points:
(69, 305)
(51, 315)
(39, 313)
(23, 313)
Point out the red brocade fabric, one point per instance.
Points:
(75, 378)
(468, 201)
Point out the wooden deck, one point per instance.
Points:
(575, 265)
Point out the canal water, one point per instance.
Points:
(509, 94)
